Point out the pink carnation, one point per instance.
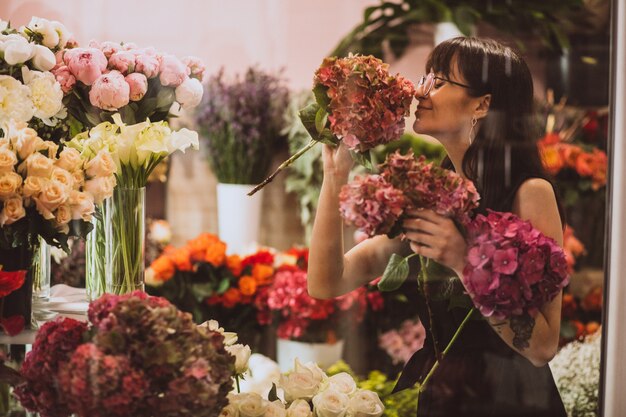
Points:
(372, 204)
(110, 91)
(512, 268)
(172, 71)
(138, 84)
(86, 64)
(123, 61)
(64, 77)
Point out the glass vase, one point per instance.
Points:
(41, 271)
(95, 277)
(124, 217)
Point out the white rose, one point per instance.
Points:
(230, 410)
(102, 165)
(189, 93)
(82, 205)
(10, 183)
(38, 165)
(365, 404)
(100, 188)
(63, 214)
(62, 176)
(70, 159)
(52, 195)
(303, 382)
(7, 160)
(13, 211)
(299, 408)
(242, 356)
(230, 338)
(15, 103)
(17, 50)
(330, 403)
(342, 382)
(276, 409)
(45, 92)
(45, 28)
(33, 186)
(252, 405)
(43, 58)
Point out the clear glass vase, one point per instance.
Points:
(41, 271)
(95, 277)
(124, 229)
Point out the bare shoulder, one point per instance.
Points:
(535, 201)
(374, 253)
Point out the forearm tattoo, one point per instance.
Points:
(522, 326)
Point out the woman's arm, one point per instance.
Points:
(330, 272)
(437, 237)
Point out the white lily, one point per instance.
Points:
(183, 139)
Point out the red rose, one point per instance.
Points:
(11, 281)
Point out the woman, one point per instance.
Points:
(477, 100)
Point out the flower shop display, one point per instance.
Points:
(242, 121)
(138, 356)
(117, 245)
(308, 391)
(202, 279)
(358, 102)
(576, 371)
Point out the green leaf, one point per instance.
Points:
(223, 286)
(307, 116)
(202, 291)
(272, 396)
(396, 272)
(363, 158)
(321, 96)
(321, 117)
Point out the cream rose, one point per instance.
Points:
(330, 403)
(365, 404)
(25, 141)
(276, 409)
(64, 214)
(7, 160)
(10, 183)
(252, 405)
(52, 195)
(33, 186)
(242, 356)
(230, 410)
(69, 159)
(50, 148)
(82, 205)
(342, 382)
(299, 408)
(38, 165)
(102, 165)
(303, 382)
(13, 211)
(62, 176)
(79, 178)
(100, 188)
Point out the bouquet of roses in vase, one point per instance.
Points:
(201, 279)
(357, 101)
(137, 356)
(119, 239)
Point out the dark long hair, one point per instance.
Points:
(504, 151)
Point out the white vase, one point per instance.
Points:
(324, 354)
(445, 31)
(239, 217)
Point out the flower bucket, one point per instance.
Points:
(324, 354)
(239, 217)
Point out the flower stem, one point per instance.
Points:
(237, 382)
(284, 165)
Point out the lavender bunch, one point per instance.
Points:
(242, 120)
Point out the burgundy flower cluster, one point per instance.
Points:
(376, 203)
(512, 268)
(140, 356)
(367, 105)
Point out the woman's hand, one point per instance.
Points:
(436, 237)
(337, 161)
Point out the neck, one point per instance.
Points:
(456, 151)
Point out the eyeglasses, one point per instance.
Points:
(426, 83)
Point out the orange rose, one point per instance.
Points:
(262, 274)
(182, 259)
(570, 154)
(550, 139)
(599, 173)
(198, 246)
(163, 268)
(585, 164)
(215, 253)
(233, 262)
(593, 300)
(551, 158)
(247, 285)
(231, 297)
(592, 327)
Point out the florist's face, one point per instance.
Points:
(446, 111)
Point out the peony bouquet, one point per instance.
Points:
(308, 391)
(358, 102)
(105, 78)
(201, 279)
(137, 356)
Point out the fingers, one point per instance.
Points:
(418, 224)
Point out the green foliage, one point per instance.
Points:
(388, 22)
(396, 272)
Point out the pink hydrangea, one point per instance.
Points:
(372, 204)
(110, 91)
(512, 268)
(86, 64)
(367, 105)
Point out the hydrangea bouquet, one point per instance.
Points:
(357, 101)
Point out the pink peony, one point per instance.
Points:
(138, 85)
(147, 64)
(64, 77)
(86, 64)
(172, 71)
(110, 91)
(196, 67)
(123, 61)
(108, 48)
(189, 93)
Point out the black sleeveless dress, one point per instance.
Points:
(481, 375)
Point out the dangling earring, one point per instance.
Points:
(474, 121)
